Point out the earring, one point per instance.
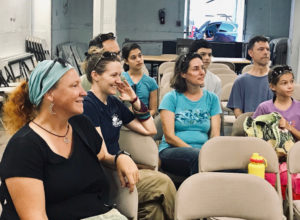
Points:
(51, 109)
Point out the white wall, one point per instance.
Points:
(104, 19)
(15, 23)
(41, 20)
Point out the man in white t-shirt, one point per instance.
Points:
(212, 82)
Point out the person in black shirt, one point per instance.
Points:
(52, 166)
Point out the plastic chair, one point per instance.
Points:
(247, 68)
(218, 65)
(238, 128)
(293, 168)
(235, 195)
(223, 71)
(127, 203)
(164, 68)
(233, 153)
(143, 149)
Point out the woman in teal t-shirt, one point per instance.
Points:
(189, 115)
(144, 86)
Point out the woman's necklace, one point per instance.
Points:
(66, 140)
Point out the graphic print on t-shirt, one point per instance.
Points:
(116, 122)
(192, 116)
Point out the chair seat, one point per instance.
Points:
(229, 119)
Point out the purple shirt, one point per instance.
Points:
(292, 114)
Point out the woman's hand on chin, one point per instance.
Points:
(126, 92)
(127, 171)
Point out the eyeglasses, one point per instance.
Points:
(277, 71)
(61, 61)
(106, 55)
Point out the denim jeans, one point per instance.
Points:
(181, 161)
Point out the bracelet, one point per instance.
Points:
(134, 100)
(121, 152)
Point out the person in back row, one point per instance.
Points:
(252, 88)
(190, 116)
(156, 191)
(144, 86)
(212, 82)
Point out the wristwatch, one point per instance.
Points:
(121, 152)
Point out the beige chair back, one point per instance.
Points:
(164, 66)
(127, 203)
(227, 78)
(143, 149)
(165, 85)
(247, 68)
(219, 71)
(245, 196)
(218, 65)
(293, 168)
(226, 90)
(296, 94)
(238, 125)
(228, 153)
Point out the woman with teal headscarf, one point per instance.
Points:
(52, 165)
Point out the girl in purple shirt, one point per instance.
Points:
(281, 79)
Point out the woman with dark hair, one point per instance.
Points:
(108, 114)
(281, 81)
(189, 114)
(144, 86)
(52, 166)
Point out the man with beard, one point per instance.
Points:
(252, 88)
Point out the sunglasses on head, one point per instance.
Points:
(59, 60)
(277, 71)
(106, 55)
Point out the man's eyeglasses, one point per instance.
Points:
(107, 55)
(61, 61)
(277, 71)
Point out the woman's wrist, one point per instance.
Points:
(134, 100)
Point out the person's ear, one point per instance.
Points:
(183, 75)
(49, 95)
(95, 76)
(250, 52)
(272, 87)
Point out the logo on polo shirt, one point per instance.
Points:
(116, 122)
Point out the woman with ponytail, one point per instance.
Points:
(52, 165)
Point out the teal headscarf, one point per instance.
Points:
(57, 71)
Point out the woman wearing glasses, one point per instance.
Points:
(108, 114)
(144, 86)
(52, 166)
(189, 114)
(281, 80)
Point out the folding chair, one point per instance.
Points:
(247, 68)
(245, 196)
(233, 153)
(238, 124)
(143, 149)
(127, 203)
(218, 65)
(293, 168)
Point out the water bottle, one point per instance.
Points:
(257, 165)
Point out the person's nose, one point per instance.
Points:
(82, 91)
